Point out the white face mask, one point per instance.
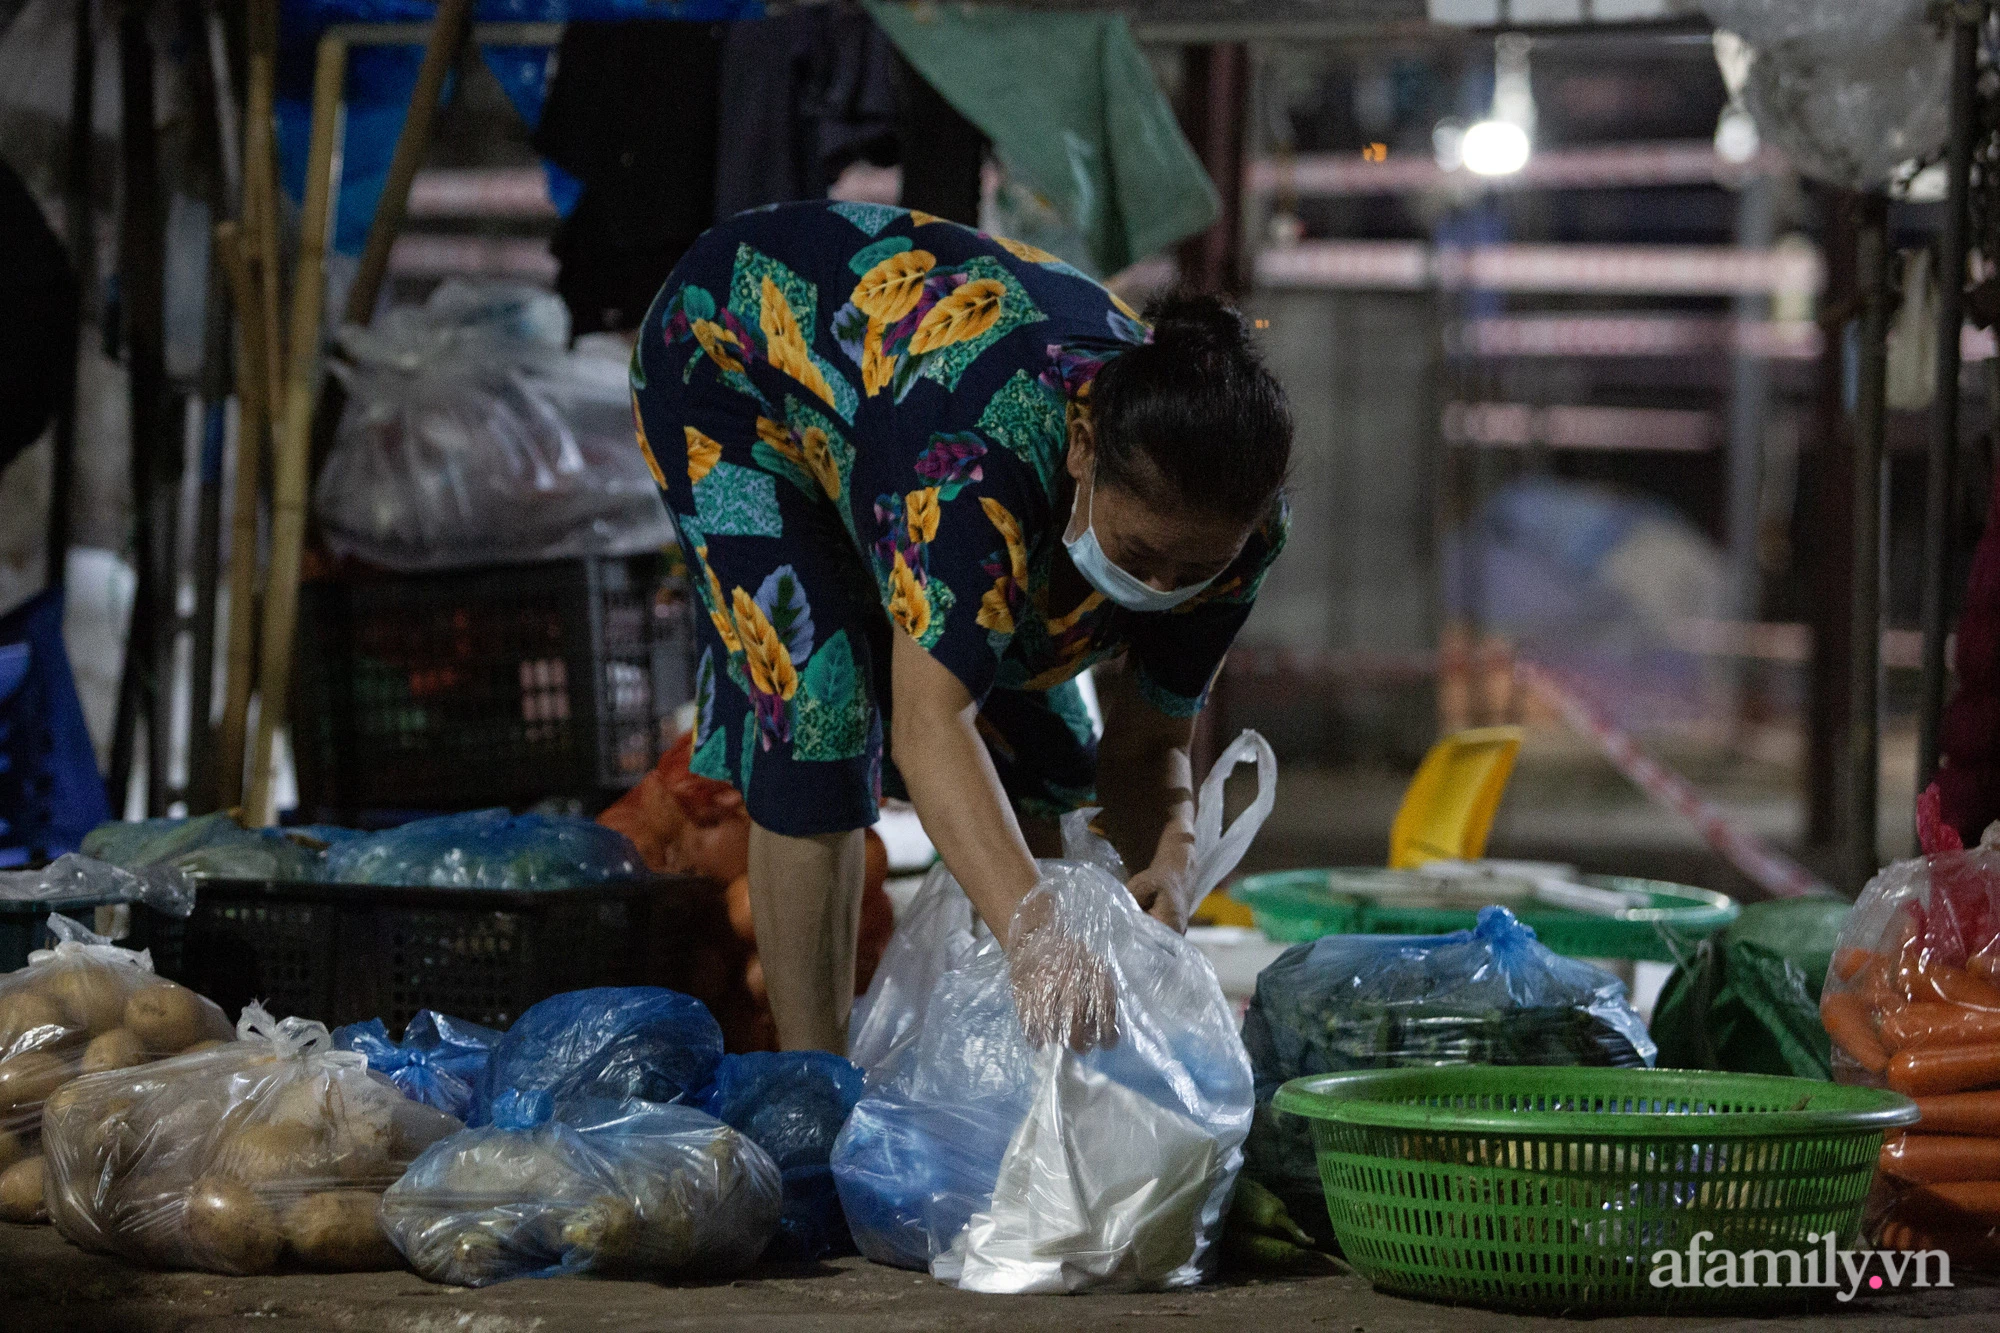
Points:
(1128, 590)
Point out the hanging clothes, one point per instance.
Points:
(1072, 107)
(38, 337)
(632, 114)
(804, 95)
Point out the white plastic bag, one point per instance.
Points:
(1004, 1168)
(472, 437)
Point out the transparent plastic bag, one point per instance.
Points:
(72, 876)
(1850, 24)
(441, 1061)
(607, 1043)
(213, 846)
(1912, 1002)
(82, 1007)
(792, 1104)
(471, 436)
(1494, 995)
(487, 849)
(274, 1147)
(618, 1187)
(1007, 1167)
(1851, 116)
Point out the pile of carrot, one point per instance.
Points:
(1921, 1014)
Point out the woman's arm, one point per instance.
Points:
(1062, 991)
(952, 783)
(1146, 783)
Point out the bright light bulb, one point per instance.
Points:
(1494, 148)
(1736, 136)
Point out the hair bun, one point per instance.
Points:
(1181, 316)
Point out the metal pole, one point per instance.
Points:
(1941, 466)
(79, 228)
(141, 266)
(1858, 862)
(1750, 390)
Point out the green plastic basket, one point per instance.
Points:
(1552, 1189)
(1295, 906)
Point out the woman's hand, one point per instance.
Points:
(1063, 989)
(1163, 889)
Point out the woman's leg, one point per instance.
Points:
(805, 896)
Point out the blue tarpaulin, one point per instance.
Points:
(50, 791)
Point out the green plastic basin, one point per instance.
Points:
(1300, 905)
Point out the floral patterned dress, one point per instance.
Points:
(858, 416)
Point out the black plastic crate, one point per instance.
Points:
(495, 686)
(342, 953)
(24, 928)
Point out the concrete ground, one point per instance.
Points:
(47, 1286)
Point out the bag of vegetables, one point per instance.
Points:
(441, 1060)
(270, 1147)
(83, 1007)
(1912, 1002)
(1494, 995)
(615, 1186)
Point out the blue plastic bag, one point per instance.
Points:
(487, 849)
(792, 1104)
(1493, 995)
(440, 1062)
(613, 1186)
(609, 1042)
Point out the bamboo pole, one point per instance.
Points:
(447, 38)
(294, 441)
(260, 191)
(253, 422)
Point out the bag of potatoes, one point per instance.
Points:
(83, 1007)
(272, 1147)
(624, 1187)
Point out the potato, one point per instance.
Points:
(92, 994)
(28, 1019)
(230, 1229)
(11, 1148)
(167, 1017)
(21, 1192)
(116, 1049)
(336, 1231)
(272, 1152)
(28, 1078)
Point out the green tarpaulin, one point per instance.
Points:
(1072, 109)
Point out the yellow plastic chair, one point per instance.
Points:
(1448, 809)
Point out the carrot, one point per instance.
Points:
(1878, 989)
(1964, 1203)
(1986, 963)
(1846, 1019)
(1963, 1245)
(1959, 1113)
(1929, 1023)
(1927, 1159)
(1955, 985)
(1851, 960)
(1927, 1071)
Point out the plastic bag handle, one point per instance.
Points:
(1217, 851)
(294, 1037)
